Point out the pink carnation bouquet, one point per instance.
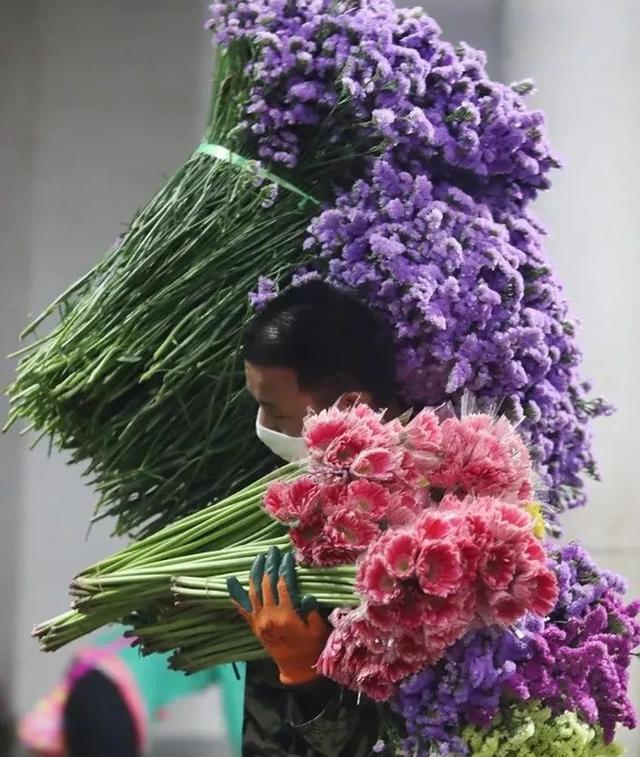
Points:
(436, 515)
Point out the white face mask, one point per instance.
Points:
(289, 448)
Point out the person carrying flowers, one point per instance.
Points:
(446, 622)
(308, 348)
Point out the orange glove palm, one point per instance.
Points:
(293, 642)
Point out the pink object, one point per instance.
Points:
(433, 513)
(425, 585)
(375, 581)
(439, 568)
(400, 552)
(369, 498)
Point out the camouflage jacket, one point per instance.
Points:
(274, 725)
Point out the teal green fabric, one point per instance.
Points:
(159, 686)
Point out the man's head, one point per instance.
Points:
(311, 345)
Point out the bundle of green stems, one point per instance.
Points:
(171, 586)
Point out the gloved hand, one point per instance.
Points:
(294, 638)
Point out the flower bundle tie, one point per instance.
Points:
(254, 166)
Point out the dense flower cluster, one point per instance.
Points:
(358, 485)
(474, 305)
(367, 475)
(581, 582)
(436, 511)
(533, 730)
(467, 558)
(576, 660)
(465, 687)
(580, 659)
(478, 455)
(424, 586)
(374, 72)
(437, 234)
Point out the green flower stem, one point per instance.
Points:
(208, 520)
(189, 664)
(149, 339)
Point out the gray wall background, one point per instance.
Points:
(100, 99)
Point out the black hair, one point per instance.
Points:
(329, 338)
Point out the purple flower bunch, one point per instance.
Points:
(475, 308)
(326, 72)
(428, 166)
(579, 659)
(581, 582)
(466, 686)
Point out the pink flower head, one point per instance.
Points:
(331, 498)
(377, 463)
(423, 432)
(488, 519)
(359, 656)
(537, 590)
(350, 529)
(399, 668)
(486, 469)
(326, 554)
(497, 565)
(416, 647)
(376, 686)
(483, 456)
(375, 581)
(400, 551)
(403, 508)
(368, 498)
(305, 496)
(432, 525)
(383, 433)
(384, 617)
(409, 473)
(278, 504)
(531, 552)
(440, 613)
(447, 634)
(526, 491)
(505, 608)
(439, 568)
(470, 555)
(512, 518)
(323, 428)
(409, 607)
(344, 449)
(304, 538)
(423, 440)
(447, 472)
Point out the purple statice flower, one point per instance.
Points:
(435, 232)
(372, 74)
(474, 305)
(579, 660)
(466, 686)
(581, 583)
(266, 290)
